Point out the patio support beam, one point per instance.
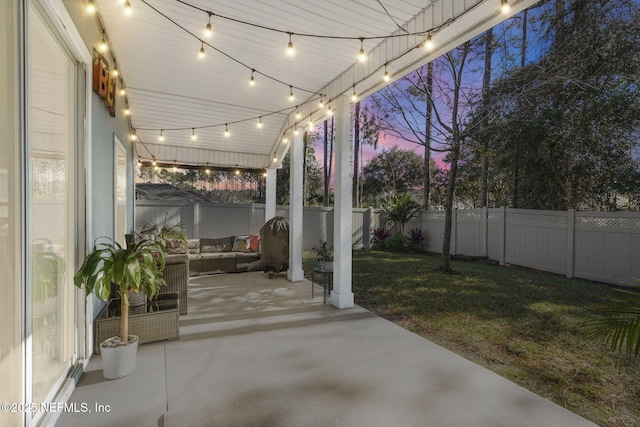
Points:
(295, 272)
(270, 194)
(342, 296)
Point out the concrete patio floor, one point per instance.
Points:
(260, 352)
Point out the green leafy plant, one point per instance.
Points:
(172, 236)
(417, 236)
(400, 208)
(134, 268)
(618, 325)
(396, 242)
(323, 252)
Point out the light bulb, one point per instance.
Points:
(91, 6)
(291, 97)
(123, 92)
(310, 125)
(133, 136)
(127, 7)
(207, 171)
(237, 172)
(329, 111)
(175, 168)
(252, 80)
(354, 95)
(102, 46)
(362, 56)
(193, 134)
(505, 6)
(295, 130)
(285, 139)
(386, 76)
(153, 163)
(127, 111)
(428, 43)
(290, 46)
(260, 123)
(114, 72)
(321, 104)
(207, 29)
(275, 158)
(298, 115)
(139, 163)
(226, 131)
(201, 54)
(161, 137)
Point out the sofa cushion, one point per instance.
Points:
(194, 246)
(241, 244)
(218, 255)
(224, 244)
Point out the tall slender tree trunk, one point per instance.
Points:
(516, 154)
(356, 152)
(331, 139)
(448, 217)
(427, 138)
(486, 87)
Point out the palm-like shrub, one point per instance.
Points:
(399, 209)
(134, 268)
(618, 324)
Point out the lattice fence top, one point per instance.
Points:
(607, 222)
(537, 217)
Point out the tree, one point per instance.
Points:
(391, 171)
(366, 132)
(399, 208)
(312, 181)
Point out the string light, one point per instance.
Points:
(127, 111)
(505, 6)
(207, 29)
(386, 76)
(310, 125)
(252, 80)
(295, 129)
(133, 136)
(154, 162)
(207, 171)
(428, 43)
(161, 137)
(175, 168)
(114, 72)
(329, 111)
(275, 158)
(103, 46)
(362, 56)
(290, 45)
(226, 130)
(201, 54)
(127, 7)
(298, 115)
(123, 91)
(139, 163)
(193, 134)
(285, 139)
(260, 123)
(321, 104)
(237, 172)
(91, 6)
(354, 95)
(291, 97)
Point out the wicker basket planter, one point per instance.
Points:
(161, 321)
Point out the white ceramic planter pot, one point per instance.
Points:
(118, 361)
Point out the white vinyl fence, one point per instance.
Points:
(601, 246)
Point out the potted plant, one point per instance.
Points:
(131, 270)
(324, 256)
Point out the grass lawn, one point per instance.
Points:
(523, 325)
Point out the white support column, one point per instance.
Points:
(295, 272)
(342, 295)
(270, 195)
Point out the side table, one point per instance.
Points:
(327, 271)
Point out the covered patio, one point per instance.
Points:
(254, 351)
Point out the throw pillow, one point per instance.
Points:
(241, 244)
(254, 243)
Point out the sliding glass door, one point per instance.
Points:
(51, 201)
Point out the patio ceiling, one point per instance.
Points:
(169, 88)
